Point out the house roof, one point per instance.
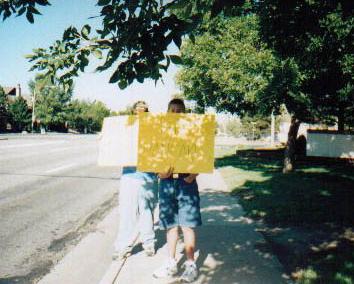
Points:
(10, 90)
(11, 93)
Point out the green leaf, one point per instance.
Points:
(21, 11)
(66, 34)
(85, 31)
(122, 84)
(115, 77)
(103, 2)
(84, 62)
(43, 2)
(177, 40)
(168, 61)
(192, 38)
(164, 67)
(29, 17)
(176, 59)
(97, 53)
(140, 79)
(7, 14)
(29, 56)
(33, 10)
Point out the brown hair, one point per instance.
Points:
(141, 102)
(176, 101)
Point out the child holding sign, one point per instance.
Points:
(137, 200)
(179, 208)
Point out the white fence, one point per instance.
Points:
(330, 145)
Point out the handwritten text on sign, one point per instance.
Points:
(182, 141)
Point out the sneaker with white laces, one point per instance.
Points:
(167, 270)
(190, 273)
(149, 249)
(121, 254)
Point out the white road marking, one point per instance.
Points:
(31, 144)
(37, 152)
(60, 168)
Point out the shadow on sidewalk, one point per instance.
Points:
(307, 215)
(229, 248)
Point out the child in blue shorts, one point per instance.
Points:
(179, 205)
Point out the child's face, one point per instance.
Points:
(176, 108)
(139, 108)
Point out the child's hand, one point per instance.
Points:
(166, 175)
(190, 178)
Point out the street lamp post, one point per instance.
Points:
(33, 105)
(272, 130)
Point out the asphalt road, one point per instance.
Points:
(52, 193)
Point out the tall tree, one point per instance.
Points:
(51, 103)
(20, 115)
(75, 115)
(3, 110)
(315, 41)
(228, 66)
(87, 117)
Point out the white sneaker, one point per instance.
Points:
(180, 245)
(149, 249)
(190, 273)
(169, 269)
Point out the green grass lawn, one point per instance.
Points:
(310, 210)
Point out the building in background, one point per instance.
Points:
(14, 92)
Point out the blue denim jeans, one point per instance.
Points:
(137, 201)
(179, 203)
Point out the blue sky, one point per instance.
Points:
(18, 37)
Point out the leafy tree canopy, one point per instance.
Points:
(228, 66)
(85, 116)
(315, 40)
(51, 102)
(19, 113)
(20, 7)
(133, 39)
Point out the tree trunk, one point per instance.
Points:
(289, 153)
(341, 121)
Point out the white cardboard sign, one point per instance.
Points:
(118, 145)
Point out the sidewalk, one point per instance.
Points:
(230, 250)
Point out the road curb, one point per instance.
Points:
(114, 269)
(88, 261)
(113, 272)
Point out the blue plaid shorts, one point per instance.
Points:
(179, 203)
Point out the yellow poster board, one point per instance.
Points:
(184, 142)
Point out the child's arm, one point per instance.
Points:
(190, 178)
(166, 175)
